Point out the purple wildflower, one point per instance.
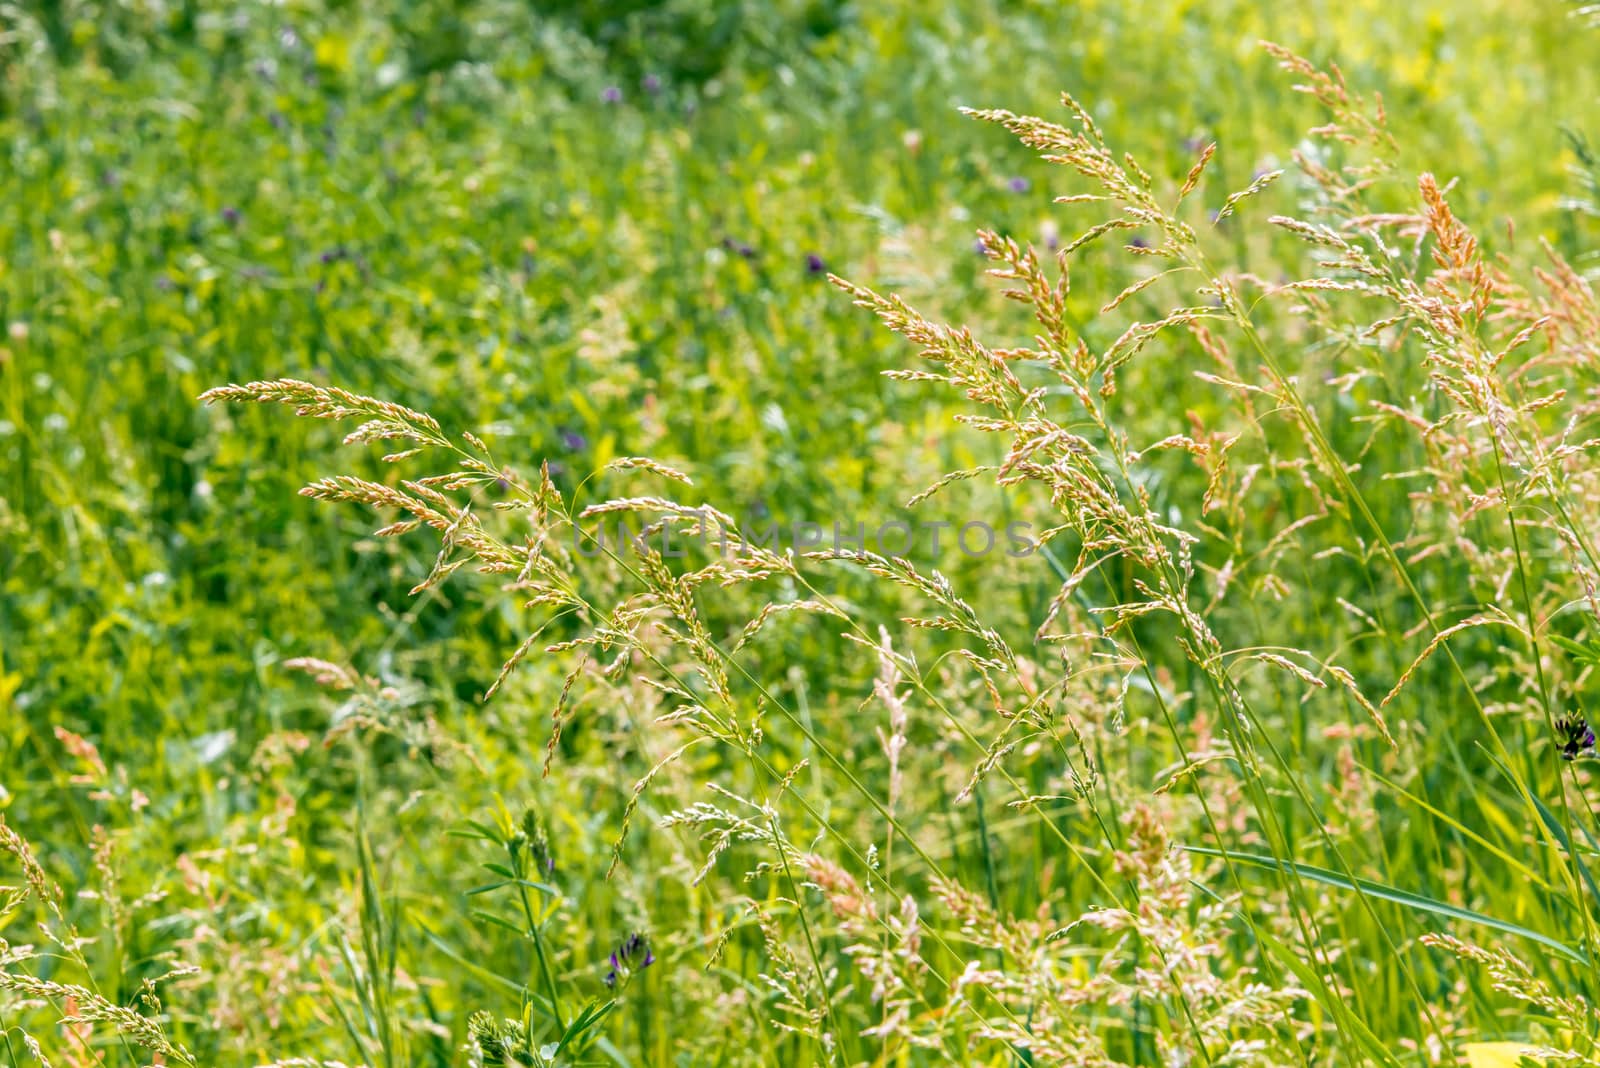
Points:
(573, 440)
(612, 94)
(631, 956)
(1575, 737)
(230, 215)
(1139, 242)
(651, 84)
(814, 264)
(1019, 185)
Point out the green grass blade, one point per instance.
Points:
(1399, 897)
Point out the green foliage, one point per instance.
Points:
(289, 826)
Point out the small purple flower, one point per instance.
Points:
(612, 94)
(1139, 242)
(1019, 185)
(230, 215)
(573, 440)
(651, 84)
(1575, 737)
(631, 956)
(979, 247)
(814, 264)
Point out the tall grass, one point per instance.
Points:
(1256, 758)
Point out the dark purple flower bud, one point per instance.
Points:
(746, 251)
(629, 957)
(814, 264)
(1139, 242)
(230, 215)
(573, 440)
(652, 84)
(1574, 737)
(1019, 185)
(612, 95)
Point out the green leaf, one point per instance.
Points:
(1398, 897)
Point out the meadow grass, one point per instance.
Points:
(1258, 759)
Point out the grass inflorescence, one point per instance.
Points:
(1272, 748)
